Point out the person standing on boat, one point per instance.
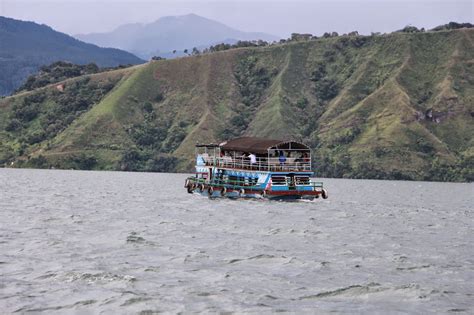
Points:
(244, 160)
(282, 158)
(253, 159)
(227, 159)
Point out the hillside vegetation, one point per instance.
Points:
(398, 106)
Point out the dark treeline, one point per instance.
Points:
(60, 71)
(444, 27)
(297, 37)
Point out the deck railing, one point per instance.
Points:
(289, 164)
(238, 184)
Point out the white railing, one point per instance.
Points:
(289, 164)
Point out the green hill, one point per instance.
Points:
(398, 106)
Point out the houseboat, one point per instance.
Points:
(251, 167)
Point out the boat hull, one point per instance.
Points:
(221, 191)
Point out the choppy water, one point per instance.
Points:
(103, 242)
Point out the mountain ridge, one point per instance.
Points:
(26, 46)
(397, 106)
(170, 33)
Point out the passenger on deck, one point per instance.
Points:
(282, 158)
(300, 159)
(200, 160)
(243, 160)
(306, 158)
(227, 159)
(253, 159)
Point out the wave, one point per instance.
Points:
(410, 290)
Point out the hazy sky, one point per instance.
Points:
(275, 17)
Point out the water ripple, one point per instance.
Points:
(109, 242)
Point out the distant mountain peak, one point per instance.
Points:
(170, 33)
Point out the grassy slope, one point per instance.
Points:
(375, 120)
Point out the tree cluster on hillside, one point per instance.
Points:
(224, 46)
(154, 138)
(253, 80)
(60, 71)
(452, 26)
(298, 37)
(42, 115)
(261, 43)
(336, 59)
(411, 29)
(332, 165)
(444, 27)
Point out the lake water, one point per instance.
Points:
(112, 242)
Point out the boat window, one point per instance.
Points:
(302, 180)
(278, 180)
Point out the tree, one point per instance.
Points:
(409, 29)
(300, 37)
(186, 51)
(14, 125)
(92, 68)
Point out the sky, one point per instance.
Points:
(280, 18)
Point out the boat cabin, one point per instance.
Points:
(256, 154)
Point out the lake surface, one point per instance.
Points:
(108, 242)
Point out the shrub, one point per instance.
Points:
(26, 112)
(409, 29)
(13, 125)
(142, 160)
(147, 107)
(84, 161)
(326, 89)
(159, 97)
(147, 134)
(161, 163)
(176, 135)
(36, 137)
(38, 162)
(424, 146)
(302, 103)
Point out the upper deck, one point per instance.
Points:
(261, 164)
(256, 154)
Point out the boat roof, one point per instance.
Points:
(210, 145)
(260, 145)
